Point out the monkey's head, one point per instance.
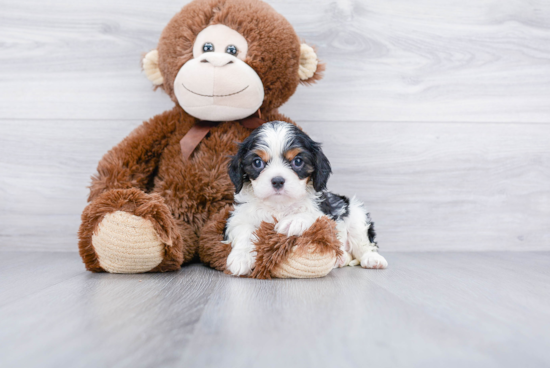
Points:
(224, 59)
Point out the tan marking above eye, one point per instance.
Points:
(263, 155)
(290, 154)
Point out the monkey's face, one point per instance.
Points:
(221, 60)
(217, 84)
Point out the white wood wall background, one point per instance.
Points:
(435, 112)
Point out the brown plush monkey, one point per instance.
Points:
(160, 198)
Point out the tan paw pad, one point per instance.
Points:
(304, 265)
(126, 243)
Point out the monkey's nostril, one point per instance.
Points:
(278, 182)
(204, 61)
(230, 62)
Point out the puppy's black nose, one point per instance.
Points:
(278, 182)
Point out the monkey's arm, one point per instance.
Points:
(133, 161)
(120, 204)
(313, 254)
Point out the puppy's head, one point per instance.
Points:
(280, 162)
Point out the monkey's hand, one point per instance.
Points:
(312, 254)
(129, 231)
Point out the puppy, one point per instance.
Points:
(280, 173)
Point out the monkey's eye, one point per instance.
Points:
(258, 163)
(208, 47)
(297, 163)
(231, 50)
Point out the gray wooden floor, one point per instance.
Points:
(438, 309)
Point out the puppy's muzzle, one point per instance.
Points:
(278, 182)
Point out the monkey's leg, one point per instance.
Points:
(213, 251)
(129, 231)
(310, 255)
(313, 254)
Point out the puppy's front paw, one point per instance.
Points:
(241, 262)
(373, 260)
(343, 260)
(294, 225)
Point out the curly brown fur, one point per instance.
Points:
(273, 248)
(90, 220)
(321, 237)
(212, 251)
(138, 203)
(132, 162)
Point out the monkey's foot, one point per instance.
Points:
(312, 254)
(126, 243)
(305, 264)
(129, 231)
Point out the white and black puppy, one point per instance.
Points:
(280, 173)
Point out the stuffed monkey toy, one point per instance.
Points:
(161, 197)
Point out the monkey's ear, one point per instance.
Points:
(150, 65)
(311, 70)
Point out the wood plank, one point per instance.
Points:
(451, 186)
(26, 273)
(105, 320)
(444, 309)
(430, 186)
(477, 61)
(440, 309)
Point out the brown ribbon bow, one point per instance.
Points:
(194, 136)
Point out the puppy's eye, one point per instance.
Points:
(297, 163)
(258, 163)
(208, 47)
(231, 50)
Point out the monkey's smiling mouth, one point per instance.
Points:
(231, 94)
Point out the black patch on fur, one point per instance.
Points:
(334, 206)
(236, 172)
(370, 232)
(316, 164)
(250, 171)
(240, 167)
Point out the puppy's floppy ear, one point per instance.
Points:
(236, 172)
(322, 170)
(236, 168)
